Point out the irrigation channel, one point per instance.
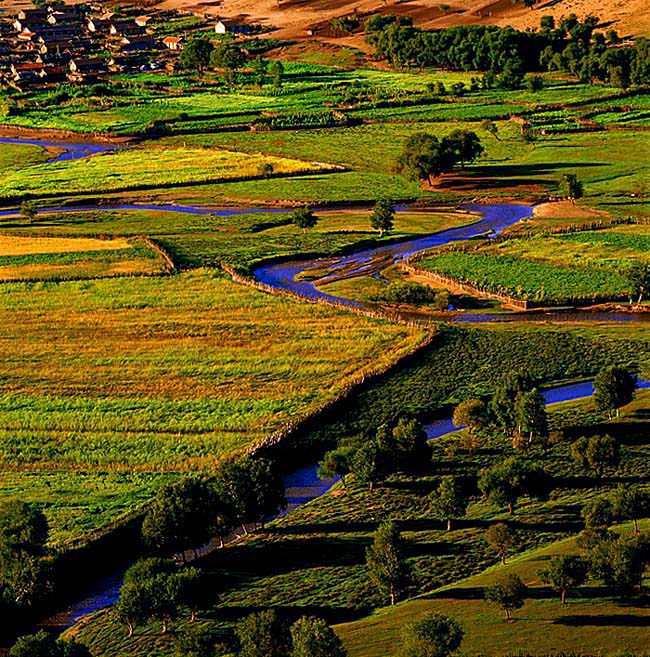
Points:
(304, 485)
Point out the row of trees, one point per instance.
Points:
(506, 54)
(187, 514)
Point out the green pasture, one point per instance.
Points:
(162, 375)
(593, 622)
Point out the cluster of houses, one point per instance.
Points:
(85, 43)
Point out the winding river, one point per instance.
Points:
(303, 485)
(70, 150)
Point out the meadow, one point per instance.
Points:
(582, 267)
(159, 375)
(56, 259)
(135, 168)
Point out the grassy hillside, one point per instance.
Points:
(592, 622)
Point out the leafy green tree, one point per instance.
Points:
(433, 635)
(228, 57)
(263, 634)
(565, 574)
(336, 463)
(383, 216)
(530, 413)
(313, 637)
(614, 387)
(622, 563)
(502, 406)
(43, 644)
(449, 500)
(276, 70)
(500, 538)
(196, 54)
(597, 453)
(411, 448)
(639, 278)
(535, 83)
(304, 218)
(504, 483)
(28, 209)
(631, 502)
(266, 170)
(571, 187)
(366, 464)
(598, 513)
(252, 490)
(491, 127)
(24, 573)
(180, 517)
(151, 589)
(260, 67)
(465, 145)
(471, 413)
(196, 590)
(425, 157)
(389, 572)
(507, 593)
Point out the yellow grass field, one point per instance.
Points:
(18, 246)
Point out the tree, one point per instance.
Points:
(383, 216)
(304, 218)
(491, 127)
(313, 637)
(263, 634)
(530, 414)
(43, 644)
(638, 276)
(449, 501)
(195, 590)
(504, 483)
(597, 453)
(151, 589)
(196, 54)
(228, 57)
(28, 209)
(433, 635)
(503, 403)
(409, 443)
(565, 574)
(260, 67)
(614, 388)
(465, 145)
(180, 517)
(471, 413)
(276, 70)
(508, 593)
(389, 572)
(631, 503)
(24, 573)
(251, 489)
(425, 157)
(366, 464)
(500, 538)
(336, 463)
(571, 187)
(621, 563)
(266, 170)
(598, 513)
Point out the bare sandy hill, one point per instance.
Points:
(295, 19)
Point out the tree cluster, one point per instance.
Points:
(425, 157)
(505, 54)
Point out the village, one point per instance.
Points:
(53, 44)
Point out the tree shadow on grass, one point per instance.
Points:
(604, 620)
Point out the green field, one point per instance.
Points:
(593, 622)
(162, 375)
(574, 268)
